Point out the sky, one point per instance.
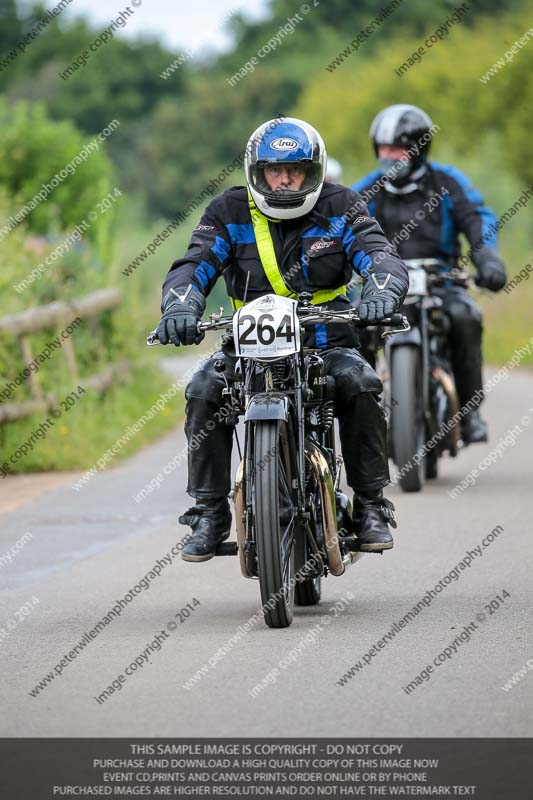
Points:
(180, 24)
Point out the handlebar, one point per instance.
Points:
(308, 315)
(439, 271)
(457, 276)
(324, 315)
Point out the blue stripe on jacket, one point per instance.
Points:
(367, 181)
(221, 249)
(241, 234)
(447, 230)
(204, 272)
(488, 217)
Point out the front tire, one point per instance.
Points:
(274, 520)
(407, 417)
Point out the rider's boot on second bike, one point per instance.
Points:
(210, 521)
(372, 516)
(474, 428)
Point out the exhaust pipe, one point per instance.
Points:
(326, 486)
(337, 563)
(448, 385)
(238, 502)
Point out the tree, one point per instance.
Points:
(34, 150)
(184, 145)
(10, 26)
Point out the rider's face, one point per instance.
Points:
(392, 151)
(280, 177)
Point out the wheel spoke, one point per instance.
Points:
(287, 541)
(286, 569)
(285, 489)
(287, 532)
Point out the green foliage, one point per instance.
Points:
(178, 161)
(122, 77)
(484, 128)
(85, 432)
(10, 25)
(328, 27)
(446, 84)
(122, 81)
(507, 316)
(33, 150)
(165, 150)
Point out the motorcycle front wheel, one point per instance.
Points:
(407, 416)
(274, 520)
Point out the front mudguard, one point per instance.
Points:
(268, 406)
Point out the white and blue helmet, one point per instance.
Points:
(285, 141)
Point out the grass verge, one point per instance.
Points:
(81, 435)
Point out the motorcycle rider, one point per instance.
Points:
(286, 233)
(397, 194)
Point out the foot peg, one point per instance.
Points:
(354, 545)
(227, 549)
(378, 548)
(351, 542)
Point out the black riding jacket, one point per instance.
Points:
(318, 251)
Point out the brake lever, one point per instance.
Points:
(151, 339)
(213, 319)
(406, 327)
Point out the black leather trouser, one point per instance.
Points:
(466, 333)
(362, 425)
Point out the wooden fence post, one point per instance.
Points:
(27, 358)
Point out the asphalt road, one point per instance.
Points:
(90, 547)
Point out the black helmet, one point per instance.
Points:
(404, 126)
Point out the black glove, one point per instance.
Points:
(182, 308)
(382, 295)
(491, 275)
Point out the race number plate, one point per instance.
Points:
(418, 281)
(267, 328)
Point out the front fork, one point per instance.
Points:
(418, 337)
(426, 366)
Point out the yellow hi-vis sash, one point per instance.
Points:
(267, 254)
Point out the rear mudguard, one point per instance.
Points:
(268, 406)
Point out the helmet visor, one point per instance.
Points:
(285, 184)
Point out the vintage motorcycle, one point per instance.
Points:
(420, 391)
(293, 524)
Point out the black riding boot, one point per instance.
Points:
(474, 428)
(210, 521)
(372, 516)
